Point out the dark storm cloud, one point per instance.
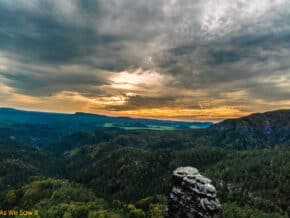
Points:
(223, 56)
(50, 83)
(139, 102)
(214, 48)
(41, 37)
(241, 63)
(45, 36)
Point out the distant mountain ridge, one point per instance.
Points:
(15, 115)
(259, 130)
(44, 128)
(275, 118)
(267, 120)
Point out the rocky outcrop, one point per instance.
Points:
(192, 196)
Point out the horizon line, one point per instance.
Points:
(109, 115)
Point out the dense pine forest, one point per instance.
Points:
(115, 172)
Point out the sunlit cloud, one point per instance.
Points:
(201, 60)
(137, 80)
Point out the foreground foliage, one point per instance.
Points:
(61, 198)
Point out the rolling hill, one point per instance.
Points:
(128, 172)
(261, 130)
(43, 129)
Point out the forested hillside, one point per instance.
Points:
(18, 163)
(258, 178)
(264, 130)
(114, 172)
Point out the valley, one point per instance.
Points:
(113, 172)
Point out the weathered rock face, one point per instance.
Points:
(192, 196)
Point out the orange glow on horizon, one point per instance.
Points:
(213, 114)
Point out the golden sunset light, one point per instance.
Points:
(191, 63)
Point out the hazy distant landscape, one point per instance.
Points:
(40, 128)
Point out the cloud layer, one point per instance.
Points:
(198, 60)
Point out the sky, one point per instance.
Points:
(169, 59)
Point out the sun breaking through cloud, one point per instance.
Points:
(201, 60)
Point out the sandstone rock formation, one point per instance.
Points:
(192, 196)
